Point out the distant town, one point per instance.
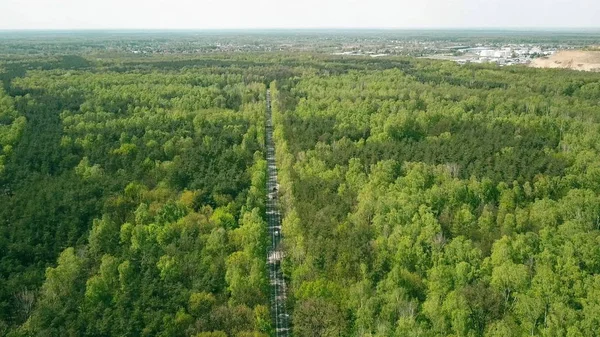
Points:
(508, 54)
(461, 46)
(505, 55)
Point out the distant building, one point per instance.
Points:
(502, 53)
(535, 50)
(486, 53)
(522, 51)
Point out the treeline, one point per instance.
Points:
(432, 199)
(133, 200)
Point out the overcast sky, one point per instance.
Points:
(218, 14)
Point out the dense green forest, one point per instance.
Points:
(132, 200)
(421, 198)
(432, 199)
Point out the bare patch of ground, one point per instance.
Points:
(570, 59)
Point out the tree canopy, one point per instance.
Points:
(420, 197)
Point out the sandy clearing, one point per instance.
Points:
(570, 59)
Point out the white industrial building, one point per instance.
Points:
(503, 53)
(487, 53)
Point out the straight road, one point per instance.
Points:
(275, 254)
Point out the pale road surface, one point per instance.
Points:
(275, 254)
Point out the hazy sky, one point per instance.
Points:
(211, 14)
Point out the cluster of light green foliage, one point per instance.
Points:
(11, 127)
(424, 198)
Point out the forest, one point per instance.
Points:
(420, 197)
(432, 199)
(132, 200)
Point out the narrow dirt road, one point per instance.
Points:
(275, 254)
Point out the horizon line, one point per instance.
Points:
(142, 29)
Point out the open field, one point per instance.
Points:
(575, 59)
